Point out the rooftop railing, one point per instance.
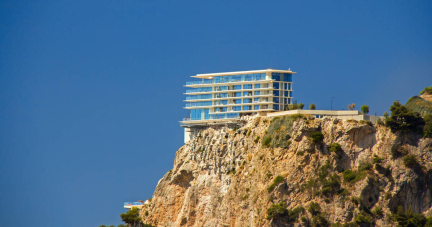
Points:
(220, 81)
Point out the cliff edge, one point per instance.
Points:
(294, 170)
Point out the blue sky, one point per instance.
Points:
(91, 91)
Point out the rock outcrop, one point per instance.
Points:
(226, 176)
(421, 104)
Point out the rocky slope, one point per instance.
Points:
(421, 104)
(226, 177)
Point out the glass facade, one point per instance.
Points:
(277, 92)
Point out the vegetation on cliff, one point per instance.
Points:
(296, 170)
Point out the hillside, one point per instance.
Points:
(294, 170)
(421, 104)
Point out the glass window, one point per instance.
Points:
(289, 86)
(276, 85)
(237, 87)
(276, 76)
(286, 93)
(247, 107)
(247, 93)
(276, 93)
(237, 101)
(285, 101)
(287, 77)
(276, 107)
(237, 94)
(256, 99)
(276, 100)
(290, 94)
(289, 101)
(236, 108)
(257, 93)
(247, 86)
(285, 86)
(247, 100)
(257, 85)
(256, 107)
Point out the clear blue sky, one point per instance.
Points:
(91, 91)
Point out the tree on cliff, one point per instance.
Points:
(133, 219)
(364, 109)
(403, 119)
(426, 91)
(312, 106)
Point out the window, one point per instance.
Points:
(247, 86)
(286, 93)
(276, 93)
(289, 86)
(237, 94)
(247, 100)
(256, 99)
(285, 101)
(247, 107)
(276, 76)
(276, 85)
(237, 87)
(237, 101)
(247, 93)
(257, 85)
(285, 86)
(236, 108)
(257, 93)
(256, 107)
(276, 100)
(276, 107)
(287, 77)
(290, 94)
(289, 101)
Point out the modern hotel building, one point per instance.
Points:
(216, 97)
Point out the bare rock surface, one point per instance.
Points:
(222, 176)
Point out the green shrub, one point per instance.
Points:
(314, 208)
(349, 175)
(363, 218)
(312, 106)
(245, 197)
(426, 91)
(377, 211)
(365, 166)
(410, 161)
(279, 179)
(408, 218)
(303, 219)
(376, 159)
(352, 177)
(427, 130)
(317, 137)
(343, 192)
(300, 153)
(320, 221)
(267, 141)
(335, 147)
(277, 211)
(257, 139)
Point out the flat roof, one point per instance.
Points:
(210, 75)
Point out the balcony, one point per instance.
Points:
(190, 83)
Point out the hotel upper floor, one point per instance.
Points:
(230, 94)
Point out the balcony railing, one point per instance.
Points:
(220, 81)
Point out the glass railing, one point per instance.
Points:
(221, 81)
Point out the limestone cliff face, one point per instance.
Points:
(222, 176)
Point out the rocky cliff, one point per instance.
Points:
(421, 104)
(357, 172)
